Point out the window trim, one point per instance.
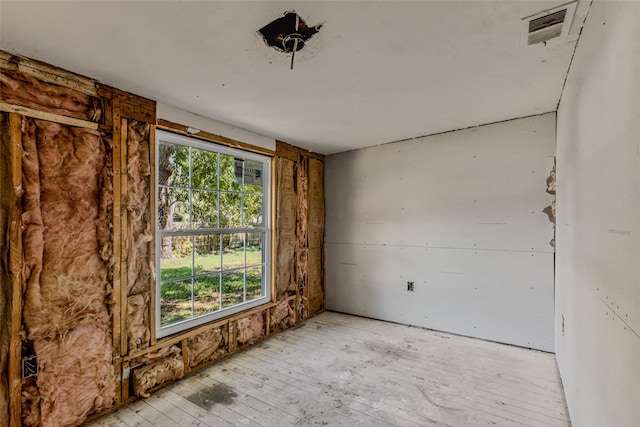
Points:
(266, 229)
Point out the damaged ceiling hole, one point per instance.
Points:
(288, 34)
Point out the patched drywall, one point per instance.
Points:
(198, 123)
(458, 214)
(598, 242)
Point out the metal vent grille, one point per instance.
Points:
(544, 35)
(551, 20)
(547, 25)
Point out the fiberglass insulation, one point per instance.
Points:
(250, 329)
(67, 258)
(282, 316)
(208, 345)
(315, 285)
(21, 89)
(138, 235)
(159, 367)
(286, 229)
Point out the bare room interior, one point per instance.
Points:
(334, 213)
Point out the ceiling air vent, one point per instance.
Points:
(547, 25)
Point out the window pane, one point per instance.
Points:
(175, 301)
(228, 179)
(202, 192)
(207, 254)
(254, 283)
(232, 288)
(204, 169)
(173, 208)
(175, 257)
(206, 294)
(230, 210)
(173, 165)
(254, 249)
(252, 211)
(205, 208)
(232, 251)
(253, 189)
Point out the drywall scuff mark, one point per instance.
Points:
(551, 209)
(551, 181)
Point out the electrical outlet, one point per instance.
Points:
(29, 367)
(409, 286)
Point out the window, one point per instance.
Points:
(212, 231)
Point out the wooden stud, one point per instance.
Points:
(292, 152)
(15, 267)
(117, 234)
(185, 356)
(135, 107)
(152, 243)
(57, 118)
(47, 73)
(233, 335)
(267, 321)
(124, 286)
(286, 151)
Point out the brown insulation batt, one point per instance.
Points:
(30, 403)
(282, 316)
(65, 274)
(302, 218)
(164, 365)
(315, 280)
(138, 234)
(21, 89)
(5, 283)
(250, 329)
(75, 375)
(138, 321)
(66, 270)
(286, 229)
(207, 346)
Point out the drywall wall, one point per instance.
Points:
(598, 243)
(198, 123)
(458, 214)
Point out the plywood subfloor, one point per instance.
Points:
(341, 370)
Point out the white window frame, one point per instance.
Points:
(183, 325)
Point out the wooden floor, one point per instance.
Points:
(340, 370)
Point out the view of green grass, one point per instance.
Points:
(175, 303)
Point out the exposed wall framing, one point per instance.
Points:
(76, 270)
(300, 228)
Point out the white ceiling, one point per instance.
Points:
(378, 71)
